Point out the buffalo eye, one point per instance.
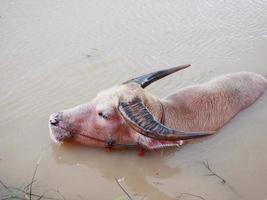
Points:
(103, 115)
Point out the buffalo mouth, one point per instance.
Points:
(58, 135)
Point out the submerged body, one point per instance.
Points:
(126, 115)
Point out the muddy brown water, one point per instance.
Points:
(58, 54)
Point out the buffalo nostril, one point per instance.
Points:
(54, 121)
(55, 118)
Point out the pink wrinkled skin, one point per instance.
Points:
(204, 107)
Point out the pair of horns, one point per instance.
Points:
(140, 119)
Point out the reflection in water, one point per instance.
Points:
(117, 164)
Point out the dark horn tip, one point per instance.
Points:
(147, 79)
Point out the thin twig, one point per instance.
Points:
(29, 184)
(10, 188)
(5, 186)
(124, 190)
(212, 173)
(57, 191)
(27, 191)
(33, 176)
(223, 181)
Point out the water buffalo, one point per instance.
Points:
(126, 115)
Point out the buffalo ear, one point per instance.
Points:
(147, 79)
(141, 120)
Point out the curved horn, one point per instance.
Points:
(147, 79)
(139, 118)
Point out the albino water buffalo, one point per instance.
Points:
(126, 115)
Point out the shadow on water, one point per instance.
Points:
(138, 172)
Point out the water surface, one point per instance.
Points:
(58, 54)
